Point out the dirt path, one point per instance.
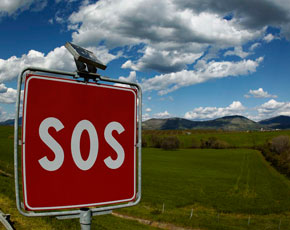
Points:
(157, 224)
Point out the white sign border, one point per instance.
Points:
(23, 139)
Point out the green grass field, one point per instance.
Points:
(232, 184)
(6, 148)
(230, 180)
(198, 188)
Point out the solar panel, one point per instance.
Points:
(84, 55)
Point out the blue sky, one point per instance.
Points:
(195, 59)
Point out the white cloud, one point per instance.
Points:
(255, 46)
(164, 114)
(173, 34)
(205, 113)
(130, 78)
(59, 59)
(238, 51)
(259, 93)
(273, 108)
(149, 98)
(59, 19)
(3, 88)
(145, 117)
(148, 110)
(9, 7)
(8, 95)
(269, 37)
(162, 60)
(167, 83)
(128, 23)
(247, 13)
(4, 115)
(103, 54)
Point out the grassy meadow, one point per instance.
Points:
(231, 188)
(223, 188)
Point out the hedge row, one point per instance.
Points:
(167, 142)
(172, 142)
(277, 152)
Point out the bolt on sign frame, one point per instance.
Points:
(75, 213)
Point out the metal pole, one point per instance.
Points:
(5, 219)
(86, 218)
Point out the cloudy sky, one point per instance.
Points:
(197, 59)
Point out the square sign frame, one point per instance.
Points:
(75, 213)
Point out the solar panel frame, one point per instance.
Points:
(84, 55)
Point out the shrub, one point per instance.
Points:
(277, 152)
(195, 143)
(219, 144)
(144, 142)
(213, 143)
(202, 144)
(280, 144)
(155, 141)
(170, 143)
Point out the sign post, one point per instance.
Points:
(79, 144)
(86, 219)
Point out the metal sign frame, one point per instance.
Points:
(74, 213)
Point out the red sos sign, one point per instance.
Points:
(79, 144)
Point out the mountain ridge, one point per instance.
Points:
(230, 123)
(10, 122)
(279, 122)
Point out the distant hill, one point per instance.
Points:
(280, 122)
(231, 123)
(153, 123)
(168, 123)
(224, 123)
(10, 122)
